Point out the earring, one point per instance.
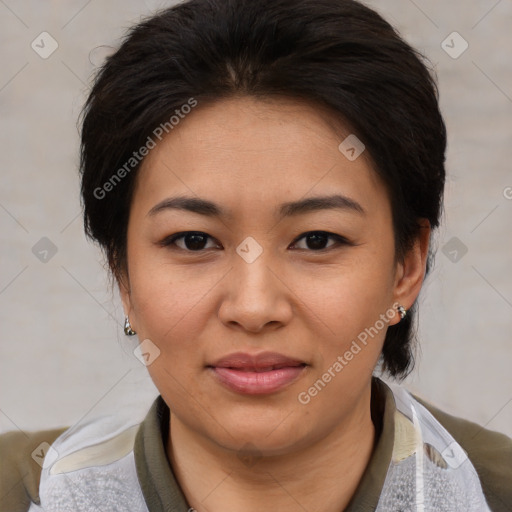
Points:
(402, 311)
(128, 328)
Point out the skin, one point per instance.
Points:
(249, 156)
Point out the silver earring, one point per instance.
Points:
(402, 311)
(128, 328)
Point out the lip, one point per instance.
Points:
(263, 373)
(261, 361)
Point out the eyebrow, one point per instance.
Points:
(290, 209)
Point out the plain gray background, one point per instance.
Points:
(64, 357)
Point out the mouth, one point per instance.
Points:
(259, 369)
(259, 374)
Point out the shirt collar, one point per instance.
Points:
(163, 493)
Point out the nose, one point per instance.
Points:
(257, 296)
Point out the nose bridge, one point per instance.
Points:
(252, 262)
(256, 296)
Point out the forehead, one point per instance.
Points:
(246, 151)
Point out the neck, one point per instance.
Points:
(320, 477)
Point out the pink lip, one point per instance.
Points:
(262, 373)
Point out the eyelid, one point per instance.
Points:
(339, 239)
(169, 240)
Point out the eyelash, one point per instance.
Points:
(340, 240)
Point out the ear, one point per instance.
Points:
(410, 272)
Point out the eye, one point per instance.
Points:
(193, 241)
(316, 240)
(196, 241)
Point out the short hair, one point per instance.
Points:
(338, 54)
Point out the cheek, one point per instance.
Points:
(171, 304)
(171, 314)
(351, 293)
(352, 306)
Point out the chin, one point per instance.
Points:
(271, 435)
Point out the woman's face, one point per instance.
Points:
(257, 277)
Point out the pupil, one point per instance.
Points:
(318, 241)
(195, 244)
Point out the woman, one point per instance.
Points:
(265, 178)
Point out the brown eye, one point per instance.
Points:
(316, 240)
(192, 241)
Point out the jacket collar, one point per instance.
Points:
(163, 493)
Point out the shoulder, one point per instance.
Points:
(490, 453)
(22, 455)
